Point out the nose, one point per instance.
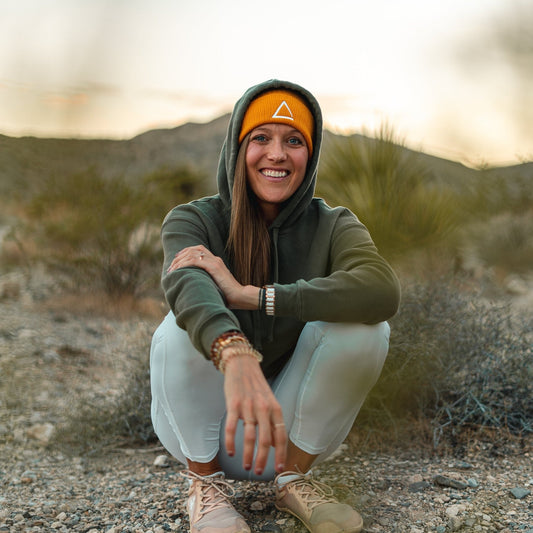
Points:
(277, 151)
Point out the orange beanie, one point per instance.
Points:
(279, 107)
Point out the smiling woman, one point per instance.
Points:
(288, 299)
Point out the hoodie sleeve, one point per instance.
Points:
(191, 293)
(360, 285)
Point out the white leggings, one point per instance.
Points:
(320, 390)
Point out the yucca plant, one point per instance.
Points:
(387, 187)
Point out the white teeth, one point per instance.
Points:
(275, 173)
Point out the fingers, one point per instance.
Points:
(249, 444)
(264, 441)
(190, 256)
(230, 430)
(249, 398)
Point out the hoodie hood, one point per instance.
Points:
(228, 156)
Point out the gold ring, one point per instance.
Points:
(249, 422)
(281, 424)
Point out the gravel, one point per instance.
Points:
(50, 358)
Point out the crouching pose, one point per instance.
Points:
(277, 329)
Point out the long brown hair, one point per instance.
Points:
(249, 240)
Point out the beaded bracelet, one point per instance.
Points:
(222, 341)
(270, 299)
(239, 349)
(238, 342)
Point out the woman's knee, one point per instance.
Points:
(352, 346)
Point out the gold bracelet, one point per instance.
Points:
(224, 340)
(270, 299)
(239, 349)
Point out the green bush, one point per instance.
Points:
(456, 361)
(102, 232)
(387, 187)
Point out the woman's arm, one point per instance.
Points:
(237, 296)
(359, 287)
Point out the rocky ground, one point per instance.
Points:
(51, 357)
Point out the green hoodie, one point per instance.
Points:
(324, 263)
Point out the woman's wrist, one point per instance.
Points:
(236, 351)
(247, 299)
(230, 344)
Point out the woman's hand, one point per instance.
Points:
(250, 398)
(238, 296)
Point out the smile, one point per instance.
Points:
(269, 173)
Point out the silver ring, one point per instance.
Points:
(201, 255)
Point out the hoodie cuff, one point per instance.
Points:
(288, 301)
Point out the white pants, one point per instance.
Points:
(320, 390)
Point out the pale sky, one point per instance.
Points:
(439, 72)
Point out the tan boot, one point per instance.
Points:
(312, 502)
(210, 510)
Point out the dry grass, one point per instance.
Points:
(100, 303)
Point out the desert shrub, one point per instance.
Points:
(84, 226)
(104, 232)
(108, 420)
(494, 193)
(168, 187)
(504, 242)
(386, 186)
(456, 361)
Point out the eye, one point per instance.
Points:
(260, 137)
(295, 141)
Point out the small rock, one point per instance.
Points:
(257, 506)
(383, 484)
(418, 486)
(472, 483)
(520, 493)
(40, 432)
(455, 523)
(454, 510)
(161, 461)
(51, 356)
(449, 482)
(441, 529)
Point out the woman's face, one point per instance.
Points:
(276, 160)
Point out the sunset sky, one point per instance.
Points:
(454, 78)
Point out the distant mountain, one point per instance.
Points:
(25, 160)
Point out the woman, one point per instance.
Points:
(286, 300)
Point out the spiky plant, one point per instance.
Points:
(387, 187)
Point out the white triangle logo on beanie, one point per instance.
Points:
(285, 109)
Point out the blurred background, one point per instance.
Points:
(455, 78)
